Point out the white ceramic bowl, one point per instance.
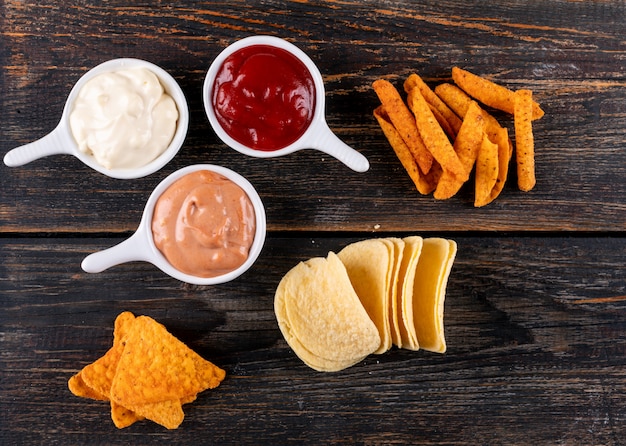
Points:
(141, 247)
(317, 136)
(60, 141)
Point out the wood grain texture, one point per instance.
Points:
(536, 350)
(575, 68)
(535, 303)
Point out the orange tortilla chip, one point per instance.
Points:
(459, 101)
(490, 93)
(123, 417)
(138, 342)
(404, 122)
(79, 388)
(443, 122)
(157, 367)
(434, 137)
(99, 374)
(524, 140)
(168, 414)
(423, 183)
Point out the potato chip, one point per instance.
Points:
(321, 317)
(434, 137)
(524, 140)
(486, 172)
(369, 266)
(410, 257)
(425, 184)
(490, 93)
(396, 247)
(467, 146)
(429, 290)
(415, 81)
(404, 122)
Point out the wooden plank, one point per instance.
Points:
(534, 326)
(570, 54)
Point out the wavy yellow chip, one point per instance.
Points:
(321, 317)
(412, 251)
(369, 266)
(429, 291)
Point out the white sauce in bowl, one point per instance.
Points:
(123, 118)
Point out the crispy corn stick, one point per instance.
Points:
(443, 122)
(459, 101)
(486, 172)
(434, 137)
(524, 140)
(425, 184)
(505, 151)
(404, 122)
(489, 93)
(415, 81)
(466, 145)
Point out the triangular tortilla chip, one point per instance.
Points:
(155, 367)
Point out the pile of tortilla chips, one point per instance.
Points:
(335, 311)
(148, 373)
(440, 136)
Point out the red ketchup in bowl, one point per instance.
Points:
(264, 97)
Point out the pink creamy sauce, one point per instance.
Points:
(204, 224)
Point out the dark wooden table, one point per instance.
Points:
(536, 303)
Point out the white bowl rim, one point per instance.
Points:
(320, 95)
(158, 259)
(170, 86)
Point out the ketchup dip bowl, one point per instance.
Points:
(315, 133)
(60, 141)
(141, 245)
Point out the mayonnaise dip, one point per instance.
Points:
(124, 118)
